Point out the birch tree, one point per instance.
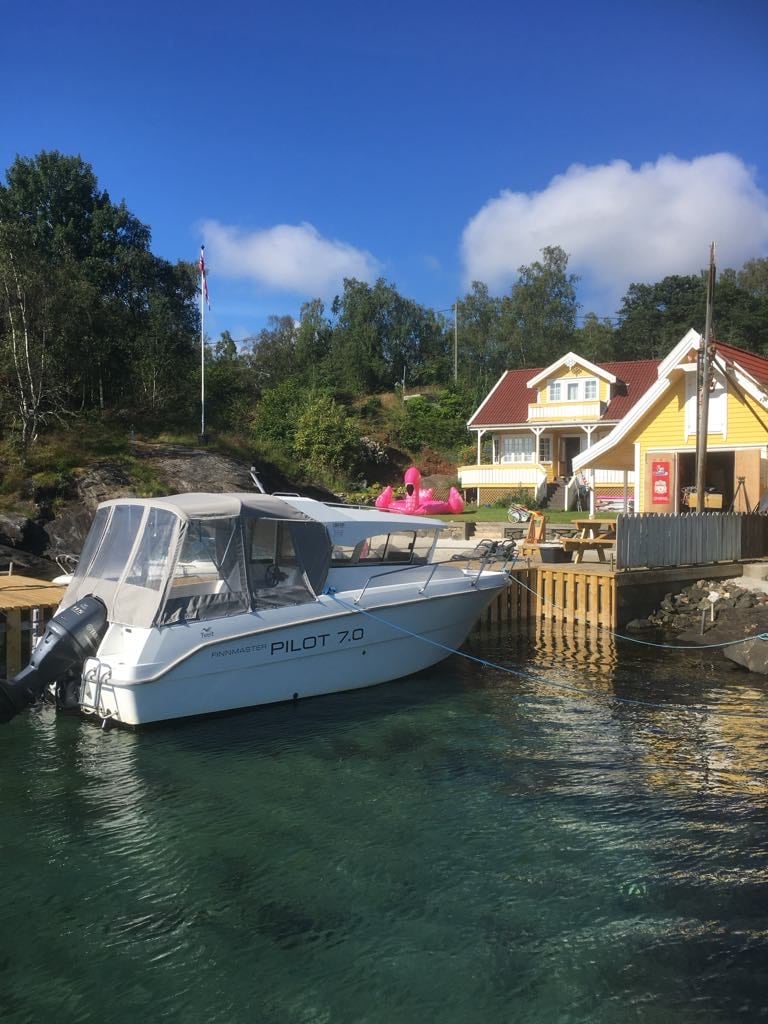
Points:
(28, 330)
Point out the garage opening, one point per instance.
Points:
(719, 477)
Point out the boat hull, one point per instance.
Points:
(345, 647)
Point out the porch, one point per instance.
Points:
(601, 489)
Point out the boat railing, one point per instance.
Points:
(349, 505)
(376, 577)
(430, 568)
(67, 563)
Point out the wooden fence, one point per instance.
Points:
(657, 541)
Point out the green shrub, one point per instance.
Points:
(326, 440)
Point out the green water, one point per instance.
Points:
(463, 846)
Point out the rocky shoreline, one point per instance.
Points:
(732, 612)
(57, 530)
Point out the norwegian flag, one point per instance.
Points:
(203, 276)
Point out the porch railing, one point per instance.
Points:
(500, 474)
(657, 541)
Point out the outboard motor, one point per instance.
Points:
(70, 637)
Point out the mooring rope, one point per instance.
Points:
(647, 643)
(581, 691)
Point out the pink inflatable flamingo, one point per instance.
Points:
(419, 501)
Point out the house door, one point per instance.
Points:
(571, 448)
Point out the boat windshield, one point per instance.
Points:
(208, 580)
(227, 566)
(125, 561)
(401, 546)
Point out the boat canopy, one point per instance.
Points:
(199, 556)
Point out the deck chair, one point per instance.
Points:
(537, 534)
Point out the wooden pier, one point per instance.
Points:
(565, 593)
(26, 604)
(593, 593)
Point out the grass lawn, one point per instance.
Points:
(498, 514)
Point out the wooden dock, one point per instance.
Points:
(593, 593)
(564, 593)
(26, 604)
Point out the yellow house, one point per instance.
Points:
(656, 439)
(535, 424)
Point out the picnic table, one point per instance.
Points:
(591, 535)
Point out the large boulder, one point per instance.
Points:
(19, 531)
(67, 532)
(752, 654)
(26, 564)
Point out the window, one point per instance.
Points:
(519, 448)
(92, 542)
(545, 449)
(272, 557)
(408, 546)
(554, 391)
(582, 390)
(149, 563)
(116, 547)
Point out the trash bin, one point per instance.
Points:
(554, 553)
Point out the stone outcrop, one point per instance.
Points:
(64, 519)
(704, 604)
(26, 564)
(19, 531)
(184, 470)
(716, 612)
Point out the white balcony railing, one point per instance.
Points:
(502, 476)
(612, 478)
(566, 411)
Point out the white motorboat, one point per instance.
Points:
(203, 603)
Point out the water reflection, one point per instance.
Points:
(468, 844)
(691, 719)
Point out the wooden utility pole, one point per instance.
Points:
(702, 425)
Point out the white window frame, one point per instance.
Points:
(545, 448)
(554, 390)
(517, 448)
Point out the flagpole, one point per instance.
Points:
(202, 344)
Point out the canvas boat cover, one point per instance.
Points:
(195, 556)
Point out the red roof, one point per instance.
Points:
(756, 366)
(508, 404)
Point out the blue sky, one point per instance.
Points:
(428, 143)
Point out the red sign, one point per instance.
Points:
(660, 477)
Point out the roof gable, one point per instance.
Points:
(507, 403)
(571, 359)
(749, 363)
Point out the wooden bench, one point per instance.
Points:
(581, 544)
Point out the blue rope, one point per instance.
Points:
(701, 710)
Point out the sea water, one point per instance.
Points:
(579, 838)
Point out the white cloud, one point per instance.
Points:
(286, 257)
(621, 225)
